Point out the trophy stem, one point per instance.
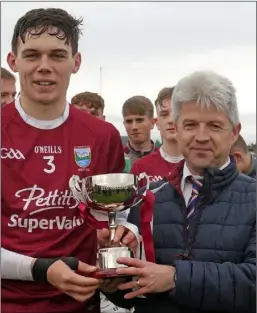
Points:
(112, 226)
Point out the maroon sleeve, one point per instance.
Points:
(116, 160)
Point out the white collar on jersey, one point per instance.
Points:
(39, 123)
(170, 158)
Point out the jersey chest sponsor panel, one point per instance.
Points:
(36, 168)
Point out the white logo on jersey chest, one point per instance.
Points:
(45, 201)
(11, 154)
(37, 200)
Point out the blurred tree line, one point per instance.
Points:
(252, 147)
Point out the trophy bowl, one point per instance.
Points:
(110, 193)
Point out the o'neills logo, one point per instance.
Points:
(38, 198)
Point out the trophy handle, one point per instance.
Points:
(148, 188)
(141, 176)
(75, 188)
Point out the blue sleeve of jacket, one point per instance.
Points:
(218, 287)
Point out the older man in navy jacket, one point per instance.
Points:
(203, 254)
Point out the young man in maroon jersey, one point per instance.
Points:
(138, 118)
(48, 247)
(161, 162)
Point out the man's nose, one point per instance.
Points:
(202, 134)
(44, 65)
(134, 125)
(169, 119)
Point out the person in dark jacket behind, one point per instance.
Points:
(203, 255)
(246, 162)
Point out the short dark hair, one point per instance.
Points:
(7, 74)
(138, 105)
(89, 97)
(241, 145)
(36, 22)
(163, 94)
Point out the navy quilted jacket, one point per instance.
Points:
(218, 271)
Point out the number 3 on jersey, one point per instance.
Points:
(51, 166)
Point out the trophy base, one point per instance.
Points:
(107, 261)
(107, 273)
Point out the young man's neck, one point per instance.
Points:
(171, 148)
(40, 111)
(144, 146)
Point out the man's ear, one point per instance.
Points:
(238, 156)
(77, 63)
(11, 60)
(156, 123)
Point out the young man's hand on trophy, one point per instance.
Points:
(123, 236)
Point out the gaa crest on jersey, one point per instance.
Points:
(82, 156)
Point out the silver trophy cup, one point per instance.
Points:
(110, 193)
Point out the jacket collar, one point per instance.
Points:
(213, 178)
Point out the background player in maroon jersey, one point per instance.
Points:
(138, 118)
(90, 102)
(49, 248)
(8, 88)
(161, 162)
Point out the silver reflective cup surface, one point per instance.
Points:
(111, 193)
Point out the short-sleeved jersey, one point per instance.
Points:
(155, 166)
(40, 218)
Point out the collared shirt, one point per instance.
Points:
(134, 155)
(186, 187)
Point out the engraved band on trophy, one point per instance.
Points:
(111, 193)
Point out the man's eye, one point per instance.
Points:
(59, 56)
(215, 126)
(188, 125)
